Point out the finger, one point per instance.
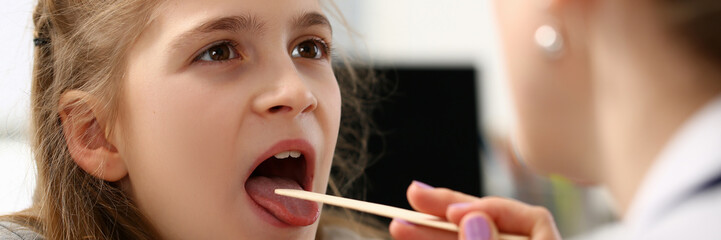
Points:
(477, 226)
(402, 230)
(509, 216)
(433, 201)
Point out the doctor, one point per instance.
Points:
(625, 94)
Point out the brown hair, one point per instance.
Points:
(83, 46)
(697, 21)
(82, 51)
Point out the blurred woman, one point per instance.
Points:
(620, 93)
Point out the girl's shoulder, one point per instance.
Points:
(14, 231)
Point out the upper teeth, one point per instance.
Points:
(286, 154)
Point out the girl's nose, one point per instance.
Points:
(289, 96)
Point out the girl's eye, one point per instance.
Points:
(223, 51)
(313, 48)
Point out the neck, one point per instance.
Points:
(646, 86)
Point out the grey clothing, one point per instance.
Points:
(340, 233)
(13, 231)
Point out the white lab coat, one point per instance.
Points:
(680, 197)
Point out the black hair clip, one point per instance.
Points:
(41, 41)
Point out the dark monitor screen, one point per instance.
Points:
(429, 133)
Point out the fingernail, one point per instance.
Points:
(422, 185)
(460, 205)
(404, 222)
(477, 228)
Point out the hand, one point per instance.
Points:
(478, 218)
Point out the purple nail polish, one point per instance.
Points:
(422, 185)
(477, 228)
(460, 205)
(404, 222)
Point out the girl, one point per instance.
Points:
(613, 92)
(177, 119)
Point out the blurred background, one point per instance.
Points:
(444, 122)
(17, 178)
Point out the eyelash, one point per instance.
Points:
(327, 46)
(326, 49)
(233, 46)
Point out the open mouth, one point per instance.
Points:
(288, 169)
(290, 166)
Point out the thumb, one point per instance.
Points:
(478, 226)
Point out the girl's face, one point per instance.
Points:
(214, 89)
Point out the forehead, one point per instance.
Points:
(176, 16)
(182, 12)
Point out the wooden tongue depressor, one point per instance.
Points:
(381, 210)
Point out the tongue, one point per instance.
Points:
(292, 211)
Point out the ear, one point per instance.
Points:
(85, 134)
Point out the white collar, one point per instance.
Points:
(689, 160)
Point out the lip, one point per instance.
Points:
(285, 145)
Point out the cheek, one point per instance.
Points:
(325, 121)
(526, 74)
(526, 67)
(335, 105)
(329, 113)
(551, 97)
(179, 133)
(327, 92)
(554, 126)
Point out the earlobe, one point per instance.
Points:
(86, 139)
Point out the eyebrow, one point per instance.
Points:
(239, 23)
(246, 23)
(310, 19)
